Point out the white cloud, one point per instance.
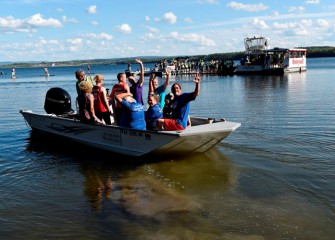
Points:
(260, 24)
(285, 26)
(299, 9)
(193, 38)
(38, 21)
(169, 17)
(42, 41)
(152, 29)
(275, 13)
(301, 32)
(73, 48)
(92, 9)
(72, 20)
(10, 24)
(322, 23)
(94, 23)
(147, 18)
(247, 7)
(124, 28)
(307, 22)
(149, 36)
(313, 2)
(75, 41)
(188, 20)
(101, 36)
(208, 1)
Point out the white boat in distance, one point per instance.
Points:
(203, 135)
(259, 59)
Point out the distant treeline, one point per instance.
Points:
(312, 52)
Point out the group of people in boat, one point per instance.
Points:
(125, 102)
(267, 60)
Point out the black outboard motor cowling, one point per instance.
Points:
(57, 101)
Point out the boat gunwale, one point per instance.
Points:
(183, 133)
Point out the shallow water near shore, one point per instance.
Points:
(273, 178)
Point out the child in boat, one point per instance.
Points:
(154, 112)
(167, 110)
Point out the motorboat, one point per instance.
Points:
(147, 72)
(62, 121)
(259, 59)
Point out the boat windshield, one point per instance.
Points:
(255, 44)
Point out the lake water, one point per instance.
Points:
(273, 178)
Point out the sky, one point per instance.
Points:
(64, 30)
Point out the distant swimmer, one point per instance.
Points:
(46, 73)
(13, 72)
(88, 69)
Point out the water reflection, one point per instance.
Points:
(296, 84)
(97, 184)
(264, 81)
(160, 189)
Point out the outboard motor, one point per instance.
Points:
(57, 101)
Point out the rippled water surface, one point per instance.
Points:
(273, 178)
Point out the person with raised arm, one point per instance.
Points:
(180, 107)
(136, 87)
(159, 90)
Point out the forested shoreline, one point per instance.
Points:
(312, 52)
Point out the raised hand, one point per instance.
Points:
(197, 78)
(168, 70)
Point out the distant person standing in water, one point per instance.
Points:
(13, 72)
(88, 69)
(46, 73)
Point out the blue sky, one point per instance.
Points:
(61, 30)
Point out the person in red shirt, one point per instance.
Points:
(120, 87)
(101, 105)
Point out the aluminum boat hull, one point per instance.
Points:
(203, 135)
